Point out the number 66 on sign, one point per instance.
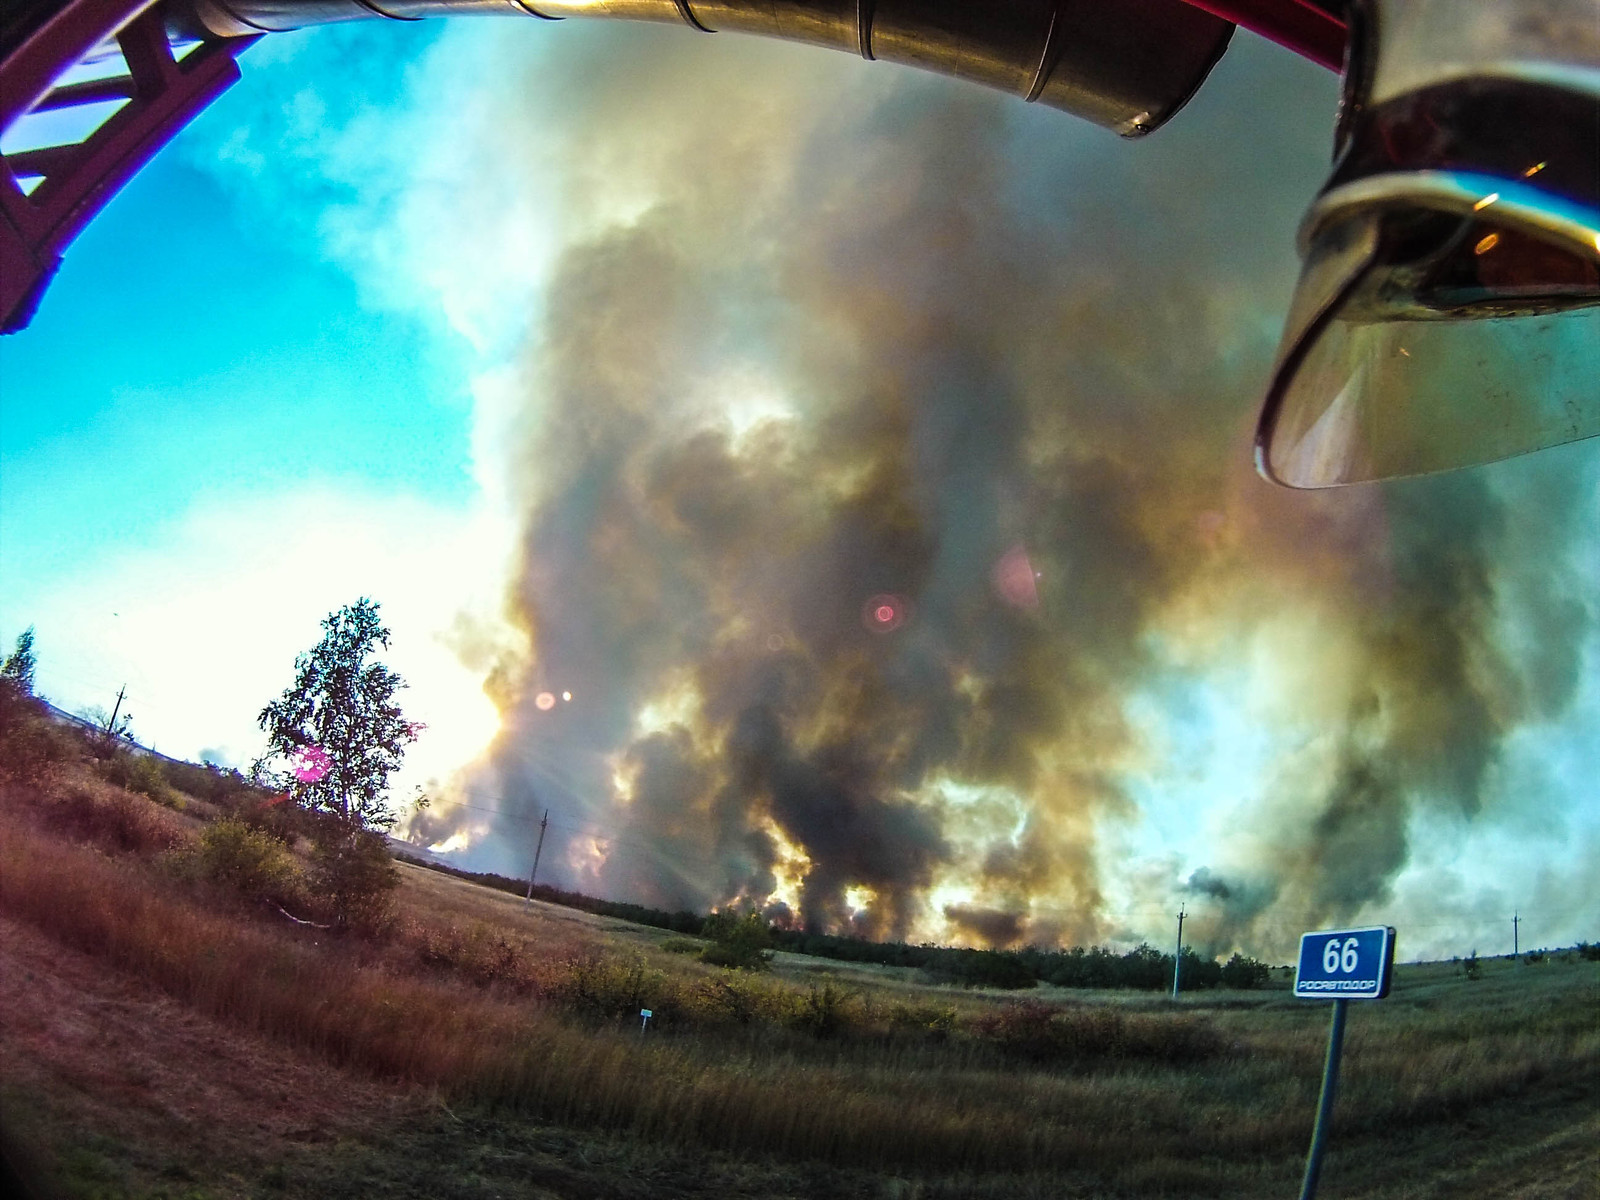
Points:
(1352, 964)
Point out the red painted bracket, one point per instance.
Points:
(164, 94)
(1299, 25)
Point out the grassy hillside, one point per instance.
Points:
(166, 1033)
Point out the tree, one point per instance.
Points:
(337, 727)
(19, 665)
(30, 742)
(740, 941)
(113, 725)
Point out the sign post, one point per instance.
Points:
(1339, 965)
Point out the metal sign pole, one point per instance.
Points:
(1330, 1084)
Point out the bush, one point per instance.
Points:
(682, 945)
(136, 772)
(1244, 973)
(206, 781)
(31, 744)
(248, 862)
(737, 942)
(822, 1011)
(610, 987)
(978, 968)
(939, 1021)
(113, 819)
(282, 819)
(353, 877)
(725, 999)
(480, 952)
(1588, 951)
(1472, 967)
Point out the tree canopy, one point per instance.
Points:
(20, 663)
(336, 730)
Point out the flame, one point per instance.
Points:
(677, 705)
(789, 870)
(860, 899)
(461, 839)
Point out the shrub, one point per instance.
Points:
(1244, 973)
(729, 999)
(938, 1021)
(609, 987)
(280, 818)
(480, 952)
(137, 772)
(1588, 951)
(822, 1011)
(979, 968)
(682, 945)
(205, 781)
(737, 942)
(113, 819)
(1472, 967)
(31, 744)
(354, 879)
(248, 862)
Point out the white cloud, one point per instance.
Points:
(204, 623)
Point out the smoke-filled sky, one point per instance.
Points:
(867, 457)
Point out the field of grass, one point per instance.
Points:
(162, 1036)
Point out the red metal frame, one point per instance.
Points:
(1298, 25)
(164, 96)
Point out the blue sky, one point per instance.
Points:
(285, 366)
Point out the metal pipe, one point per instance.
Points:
(1127, 66)
(1330, 1085)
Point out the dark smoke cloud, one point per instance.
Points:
(817, 335)
(988, 926)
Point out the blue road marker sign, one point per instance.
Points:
(1345, 964)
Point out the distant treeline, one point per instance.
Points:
(1097, 967)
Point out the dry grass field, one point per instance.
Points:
(163, 1037)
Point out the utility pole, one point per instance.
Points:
(537, 850)
(1177, 959)
(111, 725)
(1516, 919)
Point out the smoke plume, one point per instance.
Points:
(882, 442)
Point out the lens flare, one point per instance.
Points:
(311, 764)
(885, 613)
(544, 701)
(1015, 579)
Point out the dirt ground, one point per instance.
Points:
(114, 1055)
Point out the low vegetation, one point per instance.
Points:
(858, 1077)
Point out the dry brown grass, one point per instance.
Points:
(85, 808)
(498, 1005)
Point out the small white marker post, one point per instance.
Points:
(644, 1020)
